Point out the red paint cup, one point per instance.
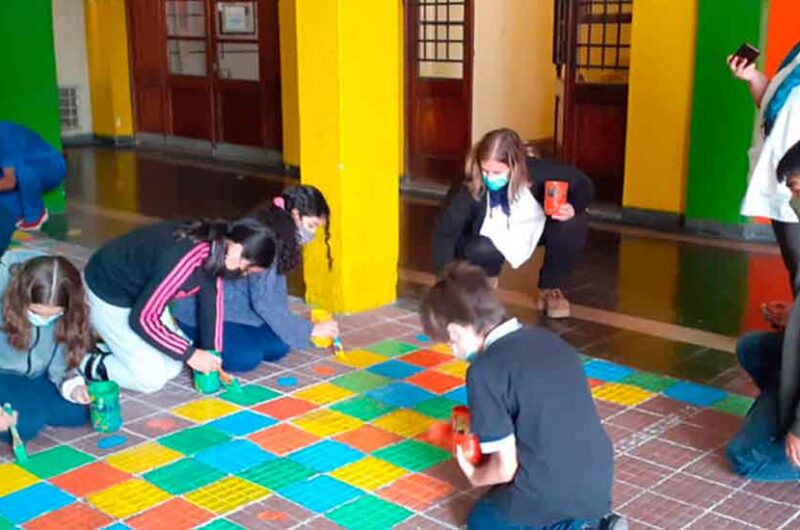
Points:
(462, 436)
(555, 195)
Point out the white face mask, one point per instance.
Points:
(41, 321)
(305, 236)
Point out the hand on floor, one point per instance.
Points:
(776, 314)
(204, 362)
(7, 420)
(793, 449)
(326, 329)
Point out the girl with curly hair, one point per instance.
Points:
(44, 335)
(259, 326)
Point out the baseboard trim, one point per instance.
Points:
(653, 219)
(115, 141)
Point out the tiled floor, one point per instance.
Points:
(318, 441)
(291, 452)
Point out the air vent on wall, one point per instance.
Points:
(68, 104)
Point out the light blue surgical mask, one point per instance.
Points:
(41, 321)
(305, 236)
(495, 181)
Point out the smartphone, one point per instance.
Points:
(748, 52)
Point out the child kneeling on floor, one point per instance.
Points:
(544, 450)
(45, 333)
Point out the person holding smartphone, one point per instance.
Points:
(779, 122)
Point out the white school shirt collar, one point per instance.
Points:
(506, 328)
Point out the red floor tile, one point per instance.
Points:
(693, 490)
(660, 512)
(285, 408)
(756, 510)
(89, 479)
(635, 419)
(176, 514)
(435, 382)
(283, 439)
(368, 438)
(702, 438)
(73, 517)
(665, 454)
(717, 522)
(638, 472)
(416, 492)
(426, 358)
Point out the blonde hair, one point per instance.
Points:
(500, 145)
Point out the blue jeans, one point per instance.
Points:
(36, 175)
(245, 347)
(758, 451)
(38, 403)
(486, 516)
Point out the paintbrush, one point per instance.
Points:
(230, 382)
(16, 441)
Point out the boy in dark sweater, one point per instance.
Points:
(544, 450)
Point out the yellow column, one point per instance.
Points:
(660, 104)
(109, 72)
(349, 97)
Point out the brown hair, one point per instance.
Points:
(462, 295)
(49, 280)
(501, 145)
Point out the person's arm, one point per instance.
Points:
(581, 188)
(492, 423)
(746, 71)
(69, 382)
(496, 468)
(210, 312)
(269, 298)
(146, 313)
(450, 226)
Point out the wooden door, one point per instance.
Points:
(591, 51)
(207, 70)
(439, 89)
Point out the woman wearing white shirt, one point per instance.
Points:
(779, 120)
(497, 216)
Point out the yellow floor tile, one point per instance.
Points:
(227, 495)
(128, 498)
(457, 368)
(360, 359)
(205, 409)
(404, 422)
(621, 394)
(14, 478)
(324, 423)
(323, 394)
(143, 458)
(369, 474)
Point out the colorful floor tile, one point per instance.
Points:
(328, 442)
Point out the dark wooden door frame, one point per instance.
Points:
(410, 64)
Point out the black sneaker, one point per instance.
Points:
(613, 521)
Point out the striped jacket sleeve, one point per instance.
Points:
(210, 313)
(147, 312)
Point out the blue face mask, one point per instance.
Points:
(495, 181)
(41, 321)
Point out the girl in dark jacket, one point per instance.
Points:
(498, 216)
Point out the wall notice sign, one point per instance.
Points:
(236, 18)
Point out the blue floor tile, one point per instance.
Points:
(320, 494)
(694, 394)
(326, 455)
(395, 369)
(606, 371)
(459, 395)
(400, 394)
(234, 457)
(32, 502)
(242, 423)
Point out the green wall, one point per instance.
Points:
(28, 89)
(723, 114)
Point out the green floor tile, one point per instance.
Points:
(361, 381)
(5, 525)
(183, 476)
(438, 407)
(249, 395)
(194, 440)
(413, 455)
(222, 524)
(648, 381)
(278, 473)
(369, 513)
(733, 404)
(392, 348)
(363, 408)
(56, 461)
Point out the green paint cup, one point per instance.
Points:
(104, 410)
(207, 383)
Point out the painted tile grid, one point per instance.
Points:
(670, 471)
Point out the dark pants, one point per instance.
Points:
(788, 236)
(36, 175)
(758, 451)
(245, 347)
(563, 243)
(486, 516)
(38, 403)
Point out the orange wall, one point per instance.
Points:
(783, 31)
